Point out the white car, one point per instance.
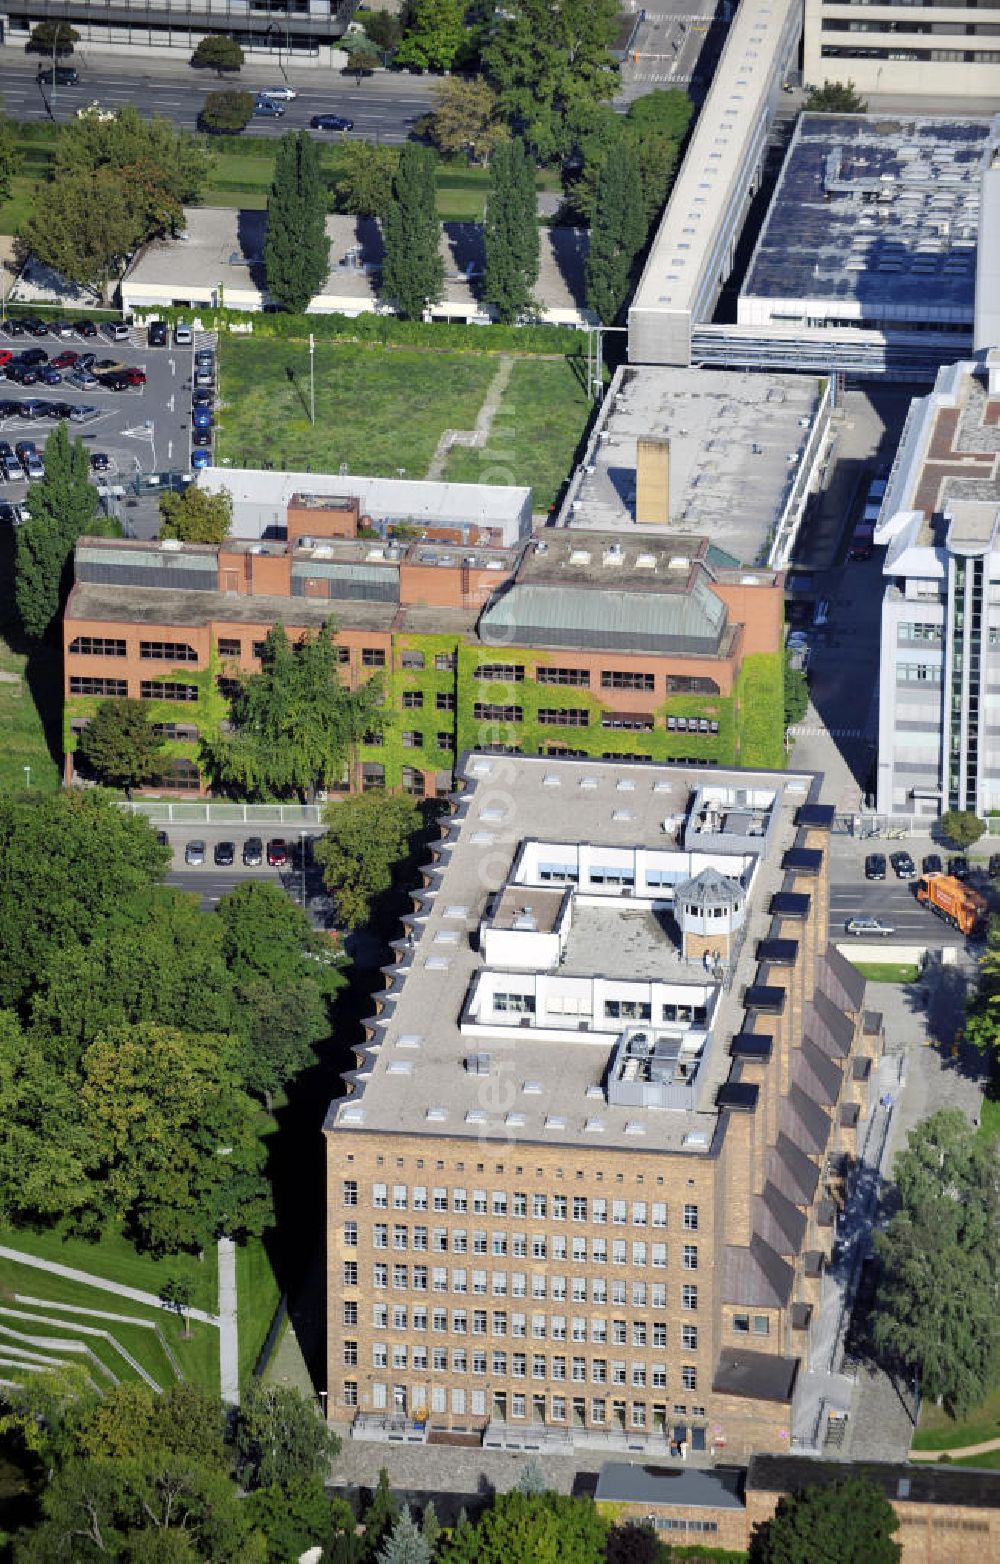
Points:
(282, 94)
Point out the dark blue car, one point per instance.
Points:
(201, 417)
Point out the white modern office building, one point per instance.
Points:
(939, 690)
(913, 48)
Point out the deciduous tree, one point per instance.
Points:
(836, 97)
(550, 65)
(298, 1516)
(616, 235)
(227, 112)
(465, 118)
(119, 745)
(365, 173)
(366, 837)
(511, 233)
(281, 1437)
(363, 55)
(218, 52)
(636, 1543)
(49, 38)
(543, 1527)
(384, 28)
(851, 1522)
(433, 36)
(962, 827)
(196, 516)
(294, 723)
(413, 270)
(297, 250)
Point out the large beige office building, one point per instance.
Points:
(905, 47)
(582, 1185)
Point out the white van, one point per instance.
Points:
(183, 335)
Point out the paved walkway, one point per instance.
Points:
(964, 1450)
(86, 1279)
(476, 437)
(229, 1342)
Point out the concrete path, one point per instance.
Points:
(85, 1279)
(229, 1344)
(476, 437)
(964, 1450)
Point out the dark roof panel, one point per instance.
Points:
(779, 952)
(761, 1376)
(818, 817)
(737, 1096)
(963, 1487)
(803, 860)
(765, 997)
(717, 1488)
(789, 904)
(751, 1045)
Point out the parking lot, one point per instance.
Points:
(140, 429)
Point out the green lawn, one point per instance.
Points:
(377, 409)
(989, 1122)
(257, 1292)
(937, 1431)
(117, 1260)
(888, 971)
(535, 435)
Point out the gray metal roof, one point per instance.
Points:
(627, 1483)
(687, 622)
(710, 888)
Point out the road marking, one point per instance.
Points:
(802, 731)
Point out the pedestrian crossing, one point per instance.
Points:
(801, 730)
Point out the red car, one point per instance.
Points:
(65, 360)
(135, 377)
(5, 357)
(277, 853)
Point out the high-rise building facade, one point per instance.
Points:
(909, 48)
(289, 27)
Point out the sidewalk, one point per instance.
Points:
(229, 1345)
(85, 1279)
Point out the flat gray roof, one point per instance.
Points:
(735, 439)
(878, 211)
(414, 1079)
(720, 1488)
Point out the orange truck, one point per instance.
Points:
(952, 900)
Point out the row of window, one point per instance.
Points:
(579, 717)
(507, 1003)
(149, 689)
(555, 1246)
(402, 1317)
(611, 679)
(499, 1364)
(543, 1409)
(557, 1208)
(149, 651)
(597, 1290)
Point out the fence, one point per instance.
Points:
(172, 811)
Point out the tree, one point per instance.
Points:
(63, 508)
(227, 112)
(413, 270)
(52, 38)
(174, 1138)
(849, 1522)
(177, 1292)
(430, 1526)
(405, 1544)
(298, 1516)
(465, 118)
(218, 52)
(655, 127)
(550, 66)
(549, 1527)
(948, 1226)
(10, 157)
(636, 1543)
(45, 1161)
(796, 692)
(383, 28)
(365, 173)
(617, 234)
(84, 228)
(294, 723)
(531, 1478)
(196, 516)
(961, 827)
(983, 1023)
(363, 55)
(297, 250)
(119, 745)
(366, 836)
(381, 1515)
(511, 233)
(433, 36)
(835, 97)
(281, 1438)
(131, 1421)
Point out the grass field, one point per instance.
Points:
(937, 1431)
(888, 971)
(114, 1258)
(258, 1295)
(540, 423)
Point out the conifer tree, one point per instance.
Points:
(617, 233)
(297, 251)
(511, 233)
(413, 271)
(63, 508)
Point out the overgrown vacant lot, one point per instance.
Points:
(379, 409)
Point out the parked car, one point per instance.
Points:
(931, 864)
(876, 927)
(156, 334)
(200, 459)
(266, 108)
(59, 76)
(65, 360)
(32, 357)
(62, 328)
(134, 376)
(85, 328)
(163, 839)
(203, 378)
(22, 374)
(904, 866)
(116, 331)
(33, 467)
(13, 327)
(117, 380)
(959, 866)
(6, 357)
(282, 94)
(80, 413)
(201, 418)
(100, 461)
(183, 335)
(108, 366)
(224, 855)
(875, 866)
(331, 122)
(202, 398)
(86, 361)
(32, 407)
(277, 853)
(83, 380)
(201, 439)
(10, 515)
(49, 375)
(35, 326)
(194, 854)
(253, 852)
(994, 866)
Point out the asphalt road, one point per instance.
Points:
(142, 430)
(383, 108)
